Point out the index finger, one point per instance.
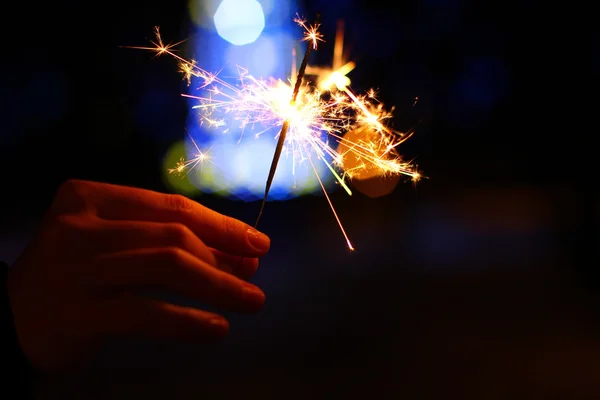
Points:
(216, 230)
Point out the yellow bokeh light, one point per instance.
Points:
(177, 183)
(202, 12)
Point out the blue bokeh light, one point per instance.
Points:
(260, 58)
(239, 22)
(240, 158)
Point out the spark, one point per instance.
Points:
(348, 132)
(311, 32)
(335, 76)
(184, 166)
(159, 47)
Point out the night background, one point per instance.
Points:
(479, 282)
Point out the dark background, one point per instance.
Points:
(481, 282)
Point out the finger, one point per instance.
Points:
(216, 230)
(242, 267)
(114, 236)
(175, 270)
(130, 315)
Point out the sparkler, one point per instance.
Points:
(313, 36)
(306, 116)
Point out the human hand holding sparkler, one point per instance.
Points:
(77, 282)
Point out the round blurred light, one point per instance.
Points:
(177, 182)
(241, 170)
(366, 177)
(239, 21)
(260, 58)
(202, 12)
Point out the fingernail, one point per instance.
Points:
(217, 326)
(252, 294)
(258, 239)
(218, 322)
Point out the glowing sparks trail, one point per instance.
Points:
(336, 76)
(183, 166)
(329, 111)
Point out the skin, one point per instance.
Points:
(75, 284)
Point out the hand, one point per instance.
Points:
(75, 284)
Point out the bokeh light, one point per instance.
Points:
(239, 22)
(239, 161)
(240, 171)
(260, 57)
(202, 12)
(178, 184)
(365, 179)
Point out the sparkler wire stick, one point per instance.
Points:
(285, 126)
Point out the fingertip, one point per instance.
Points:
(253, 298)
(218, 327)
(247, 267)
(212, 329)
(207, 328)
(260, 242)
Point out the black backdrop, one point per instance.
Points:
(479, 283)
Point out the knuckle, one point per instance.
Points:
(177, 202)
(75, 223)
(231, 226)
(174, 256)
(71, 230)
(71, 196)
(65, 225)
(70, 187)
(178, 233)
